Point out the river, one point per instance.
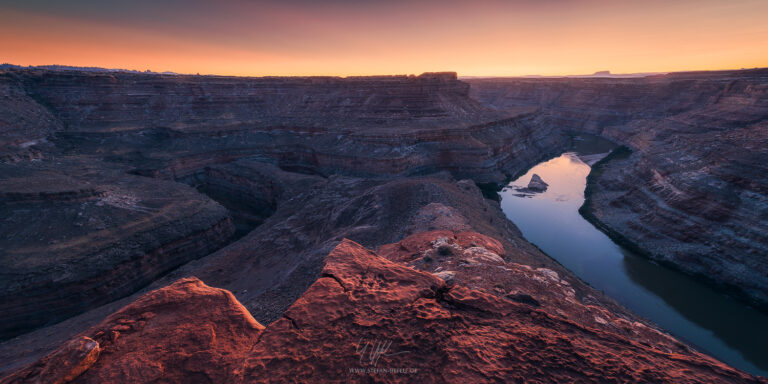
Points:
(688, 309)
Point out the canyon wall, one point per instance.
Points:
(100, 151)
(25, 125)
(173, 126)
(79, 235)
(97, 182)
(694, 191)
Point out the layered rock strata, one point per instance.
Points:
(25, 124)
(173, 126)
(269, 268)
(303, 163)
(78, 235)
(693, 193)
(247, 143)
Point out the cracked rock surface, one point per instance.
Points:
(368, 319)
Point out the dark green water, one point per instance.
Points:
(712, 322)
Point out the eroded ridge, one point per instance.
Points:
(371, 319)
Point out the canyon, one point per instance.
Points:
(690, 191)
(326, 211)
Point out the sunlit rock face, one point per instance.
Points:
(694, 191)
(370, 319)
(185, 332)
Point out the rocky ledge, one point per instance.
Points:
(369, 319)
(185, 332)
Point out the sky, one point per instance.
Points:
(370, 37)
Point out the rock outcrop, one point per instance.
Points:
(369, 319)
(62, 366)
(273, 265)
(536, 185)
(186, 332)
(693, 192)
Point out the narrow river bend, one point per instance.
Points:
(712, 322)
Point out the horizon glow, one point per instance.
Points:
(349, 38)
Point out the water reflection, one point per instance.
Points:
(738, 325)
(727, 329)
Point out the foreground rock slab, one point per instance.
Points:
(186, 332)
(368, 319)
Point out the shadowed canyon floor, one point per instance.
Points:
(119, 191)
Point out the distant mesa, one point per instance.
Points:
(439, 75)
(57, 67)
(602, 73)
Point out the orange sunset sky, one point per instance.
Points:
(342, 37)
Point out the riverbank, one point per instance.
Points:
(587, 209)
(588, 213)
(675, 302)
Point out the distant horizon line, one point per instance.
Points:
(596, 74)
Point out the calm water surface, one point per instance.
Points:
(712, 322)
